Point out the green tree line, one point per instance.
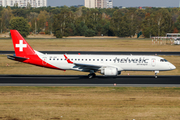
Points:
(82, 21)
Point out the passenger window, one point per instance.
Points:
(82, 59)
(86, 59)
(75, 59)
(109, 59)
(97, 59)
(101, 59)
(78, 59)
(89, 59)
(93, 59)
(106, 60)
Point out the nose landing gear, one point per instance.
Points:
(156, 72)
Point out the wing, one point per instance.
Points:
(86, 66)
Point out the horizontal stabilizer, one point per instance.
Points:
(16, 58)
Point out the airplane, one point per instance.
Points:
(107, 65)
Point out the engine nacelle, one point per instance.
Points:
(110, 71)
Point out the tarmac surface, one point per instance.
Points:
(103, 53)
(81, 80)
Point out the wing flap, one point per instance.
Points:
(90, 66)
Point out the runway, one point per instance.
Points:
(120, 81)
(102, 53)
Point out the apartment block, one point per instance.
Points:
(89, 3)
(98, 3)
(23, 3)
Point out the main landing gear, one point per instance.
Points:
(92, 74)
(156, 72)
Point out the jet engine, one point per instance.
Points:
(110, 71)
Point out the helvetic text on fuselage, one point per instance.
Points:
(139, 61)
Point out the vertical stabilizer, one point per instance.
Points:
(21, 47)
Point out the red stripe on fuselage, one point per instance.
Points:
(35, 60)
(69, 61)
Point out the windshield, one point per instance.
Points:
(163, 60)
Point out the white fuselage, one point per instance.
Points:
(121, 62)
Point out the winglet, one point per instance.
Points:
(69, 61)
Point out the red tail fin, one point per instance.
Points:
(21, 47)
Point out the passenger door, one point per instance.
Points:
(153, 62)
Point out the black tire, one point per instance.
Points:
(93, 75)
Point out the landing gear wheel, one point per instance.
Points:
(93, 75)
(156, 72)
(156, 76)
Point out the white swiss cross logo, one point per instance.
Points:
(21, 45)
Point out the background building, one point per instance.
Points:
(98, 3)
(109, 4)
(89, 3)
(23, 3)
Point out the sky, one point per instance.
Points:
(124, 3)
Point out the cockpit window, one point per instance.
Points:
(163, 60)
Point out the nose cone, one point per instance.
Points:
(172, 67)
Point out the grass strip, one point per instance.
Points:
(82, 103)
